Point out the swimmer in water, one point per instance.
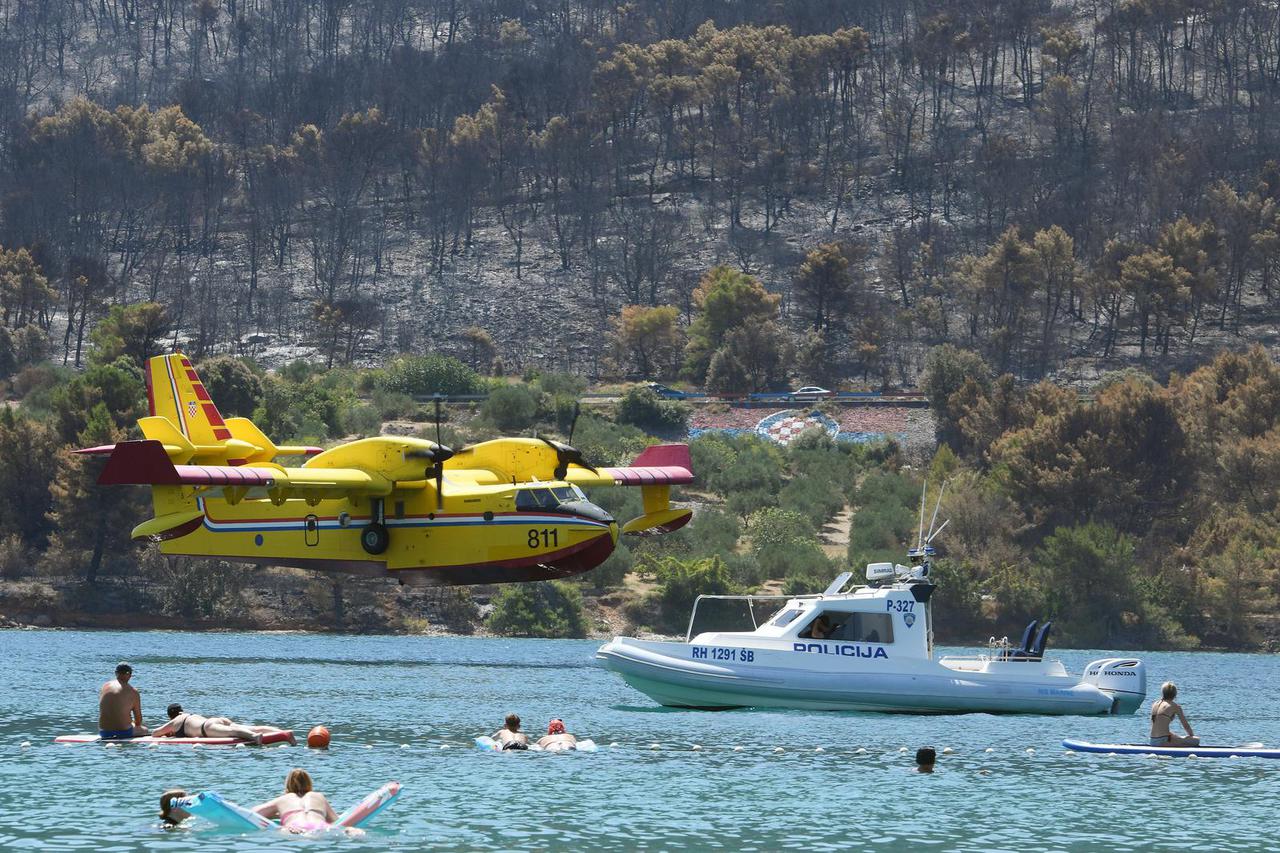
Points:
(300, 809)
(120, 707)
(926, 757)
(1163, 711)
(510, 736)
(184, 724)
(169, 813)
(557, 739)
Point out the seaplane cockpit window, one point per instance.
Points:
(535, 499)
(850, 627)
(565, 494)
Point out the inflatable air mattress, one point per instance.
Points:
(227, 815)
(488, 744)
(1177, 751)
(274, 737)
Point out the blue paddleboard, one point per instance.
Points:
(1177, 751)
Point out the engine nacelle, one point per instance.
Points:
(1123, 679)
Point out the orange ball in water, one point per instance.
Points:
(318, 738)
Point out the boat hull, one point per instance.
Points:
(668, 674)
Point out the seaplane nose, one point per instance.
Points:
(586, 509)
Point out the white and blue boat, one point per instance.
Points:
(877, 656)
(867, 649)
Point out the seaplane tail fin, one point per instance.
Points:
(175, 392)
(187, 422)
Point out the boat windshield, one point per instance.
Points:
(850, 627)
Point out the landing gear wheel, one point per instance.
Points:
(375, 538)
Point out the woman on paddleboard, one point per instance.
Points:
(186, 724)
(1163, 711)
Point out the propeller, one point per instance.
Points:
(437, 455)
(567, 453)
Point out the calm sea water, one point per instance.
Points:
(406, 708)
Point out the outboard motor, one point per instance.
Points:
(1123, 679)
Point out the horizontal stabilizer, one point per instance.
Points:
(263, 449)
(176, 445)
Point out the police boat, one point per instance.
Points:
(866, 649)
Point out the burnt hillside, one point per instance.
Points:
(1063, 186)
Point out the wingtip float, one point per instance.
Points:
(505, 510)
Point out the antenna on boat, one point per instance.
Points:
(937, 506)
(924, 491)
(923, 550)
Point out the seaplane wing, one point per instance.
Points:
(662, 464)
(145, 463)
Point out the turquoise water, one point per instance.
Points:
(395, 703)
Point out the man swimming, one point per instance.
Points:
(1163, 711)
(185, 724)
(557, 739)
(120, 707)
(510, 736)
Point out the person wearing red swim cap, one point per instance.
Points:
(557, 739)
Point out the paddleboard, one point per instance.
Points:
(225, 814)
(273, 737)
(488, 744)
(1178, 751)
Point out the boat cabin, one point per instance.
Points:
(894, 616)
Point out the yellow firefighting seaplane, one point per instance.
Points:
(506, 510)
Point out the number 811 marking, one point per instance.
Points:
(544, 538)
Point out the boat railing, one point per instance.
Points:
(750, 599)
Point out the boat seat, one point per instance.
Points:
(1033, 651)
(1042, 639)
(1024, 647)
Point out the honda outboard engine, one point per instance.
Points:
(1123, 679)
